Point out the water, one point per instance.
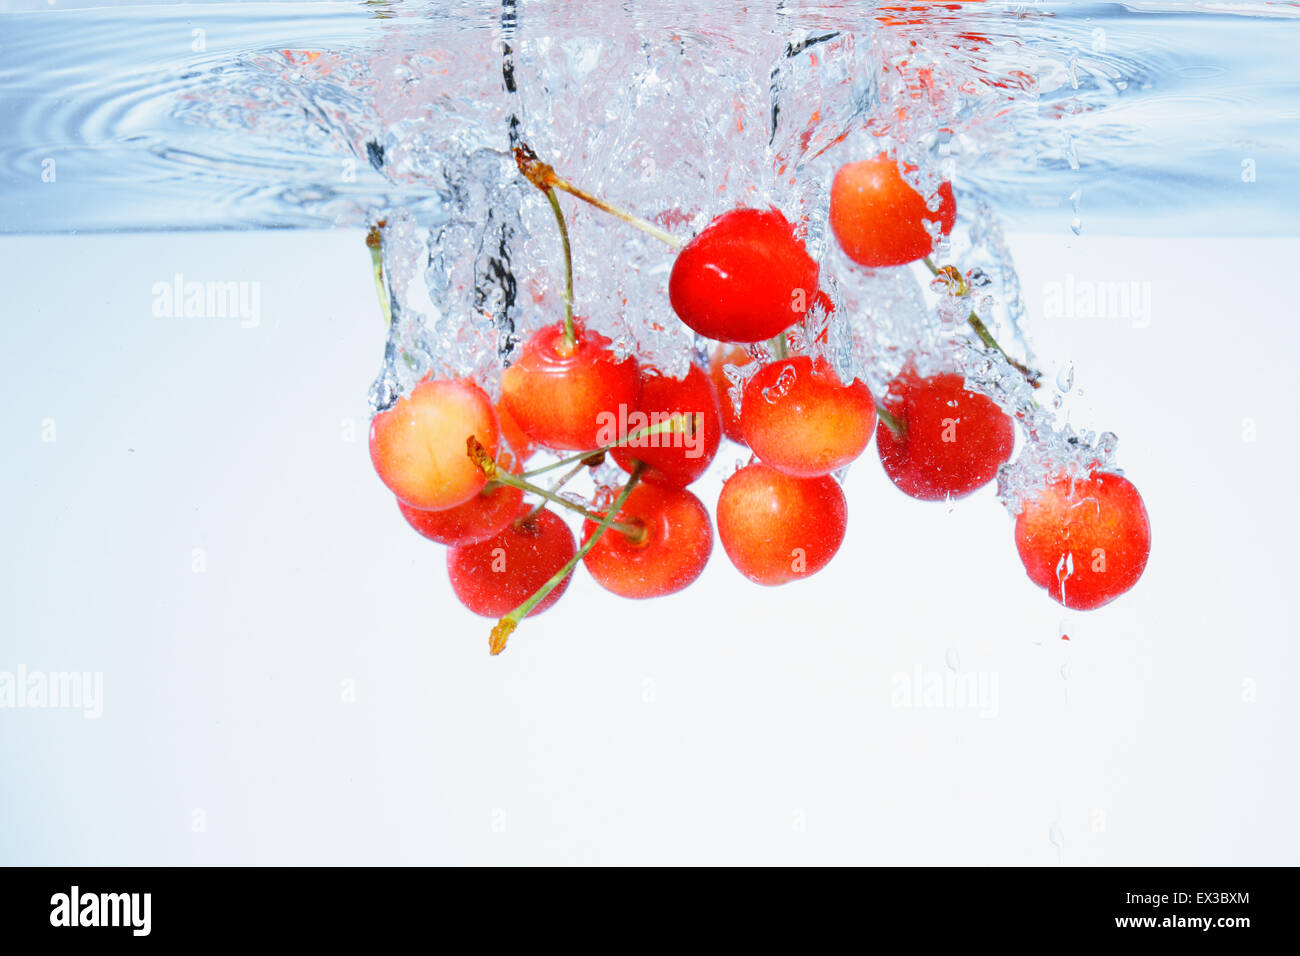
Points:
(216, 115)
(194, 516)
(1147, 119)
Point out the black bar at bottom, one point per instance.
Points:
(1172, 905)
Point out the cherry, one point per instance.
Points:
(949, 442)
(495, 576)
(515, 437)
(563, 395)
(878, 217)
(745, 278)
(676, 457)
(418, 445)
(723, 356)
(778, 528)
(799, 418)
(482, 517)
(673, 546)
(1085, 540)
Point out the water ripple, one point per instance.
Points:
(311, 114)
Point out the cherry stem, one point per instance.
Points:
(779, 347)
(375, 243)
(564, 480)
(953, 277)
(674, 423)
(506, 626)
(892, 422)
(570, 339)
(507, 478)
(544, 177)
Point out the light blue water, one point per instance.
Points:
(1140, 118)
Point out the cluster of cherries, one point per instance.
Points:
(459, 464)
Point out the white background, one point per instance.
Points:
(727, 724)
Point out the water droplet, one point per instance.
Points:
(1056, 837)
(1071, 154)
(951, 660)
(777, 390)
(1065, 670)
(1065, 377)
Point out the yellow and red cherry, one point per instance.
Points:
(723, 356)
(482, 517)
(799, 418)
(879, 218)
(515, 437)
(669, 550)
(563, 392)
(778, 528)
(418, 444)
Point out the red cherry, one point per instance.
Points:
(482, 517)
(799, 419)
(674, 458)
(745, 278)
(823, 301)
(569, 397)
(878, 218)
(778, 528)
(418, 445)
(495, 576)
(676, 541)
(723, 356)
(515, 437)
(952, 440)
(1085, 541)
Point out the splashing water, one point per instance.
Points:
(406, 113)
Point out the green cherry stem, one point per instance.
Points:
(506, 478)
(672, 424)
(951, 275)
(892, 422)
(375, 243)
(506, 626)
(564, 480)
(543, 176)
(570, 339)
